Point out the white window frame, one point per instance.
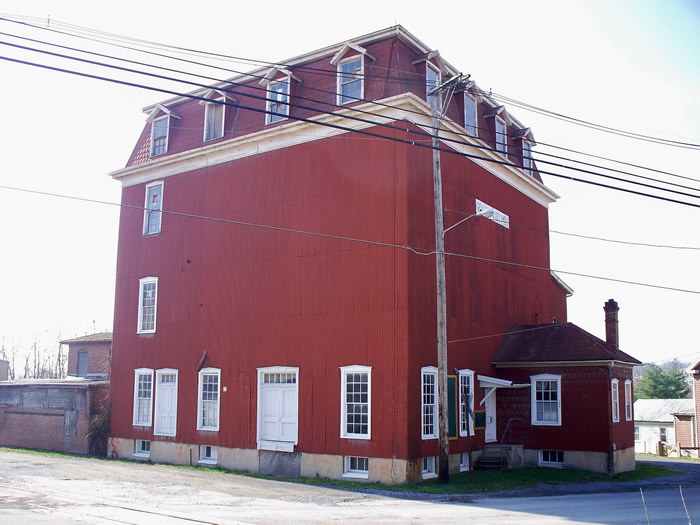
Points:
(463, 461)
(428, 467)
(344, 372)
(628, 400)
(161, 372)
(200, 402)
(147, 210)
(527, 157)
(663, 434)
(470, 101)
(354, 473)
(167, 135)
(636, 432)
(533, 399)
(615, 400)
(467, 374)
(212, 458)
(428, 87)
(145, 423)
(138, 452)
(360, 79)
(210, 106)
(552, 464)
(501, 147)
(143, 281)
(428, 371)
(281, 103)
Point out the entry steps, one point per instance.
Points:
(495, 457)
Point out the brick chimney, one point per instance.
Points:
(612, 335)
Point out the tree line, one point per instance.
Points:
(36, 362)
(669, 381)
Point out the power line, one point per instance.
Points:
(374, 123)
(120, 38)
(511, 154)
(417, 251)
(591, 237)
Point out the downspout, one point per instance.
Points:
(611, 445)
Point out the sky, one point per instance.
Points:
(629, 65)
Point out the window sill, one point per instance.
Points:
(542, 424)
(431, 475)
(355, 436)
(208, 429)
(207, 462)
(356, 475)
(142, 456)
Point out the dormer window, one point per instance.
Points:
(527, 156)
(214, 113)
(351, 73)
(470, 115)
(159, 136)
(432, 80)
(159, 117)
(278, 101)
(501, 136)
(214, 102)
(279, 86)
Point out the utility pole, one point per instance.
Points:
(443, 433)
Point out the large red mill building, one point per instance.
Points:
(276, 299)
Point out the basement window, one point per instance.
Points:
(142, 448)
(552, 458)
(463, 461)
(428, 470)
(208, 455)
(355, 467)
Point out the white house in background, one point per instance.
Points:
(653, 422)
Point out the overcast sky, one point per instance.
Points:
(626, 64)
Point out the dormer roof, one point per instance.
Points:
(525, 134)
(275, 72)
(157, 111)
(349, 46)
(211, 95)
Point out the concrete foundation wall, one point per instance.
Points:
(623, 460)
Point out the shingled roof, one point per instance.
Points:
(556, 343)
(661, 409)
(92, 338)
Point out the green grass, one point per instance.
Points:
(482, 480)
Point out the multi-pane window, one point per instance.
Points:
(214, 113)
(546, 400)
(208, 454)
(350, 80)
(501, 137)
(615, 397)
(148, 291)
(356, 402)
(153, 207)
(271, 378)
(662, 434)
(429, 402)
(636, 433)
(527, 156)
(143, 396)
(432, 80)
(628, 400)
(278, 100)
(428, 467)
(142, 448)
(552, 458)
(159, 136)
(208, 401)
(355, 467)
(470, 115)
(466, 402)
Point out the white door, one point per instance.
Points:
(490, 432)
(166, 403)
(278, 409)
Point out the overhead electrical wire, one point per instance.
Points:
(417, 251)
(247, 74)
(418, 80)
(121, 38)
(242, 94)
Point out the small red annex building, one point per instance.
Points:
(276, 295)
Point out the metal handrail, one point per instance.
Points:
(509, 428)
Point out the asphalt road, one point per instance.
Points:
(47, 489)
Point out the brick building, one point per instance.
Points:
(90, 355)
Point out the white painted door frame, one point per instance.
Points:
(278, 410)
